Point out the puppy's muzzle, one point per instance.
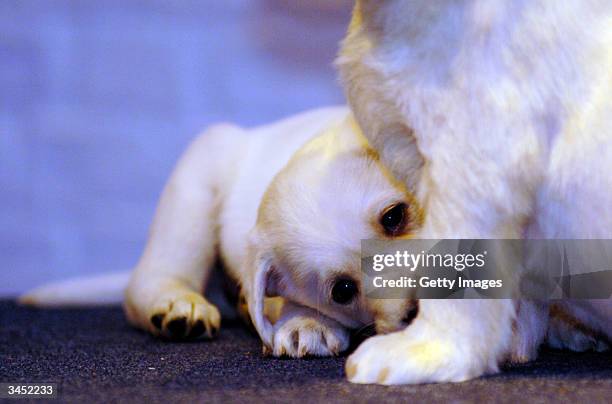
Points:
(399, 321)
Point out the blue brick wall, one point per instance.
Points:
(99, 98)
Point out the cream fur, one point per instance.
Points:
(285, 206)
(311, 205)
(497, 115)
(207, 209)
(494, 114)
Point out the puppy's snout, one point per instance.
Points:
(401, 318)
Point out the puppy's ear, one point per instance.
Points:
(261, 281)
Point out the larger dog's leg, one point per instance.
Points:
(449, 341)
(486, 159)
(454, 340)
(164, 295)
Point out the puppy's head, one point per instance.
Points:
(306, 244)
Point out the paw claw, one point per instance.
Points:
(184, 315)
(197, 329)
(295, 337)
(351, 369)
(177, 328)
(210, 331)
(157, 320)
(304, 336)
(382, 375)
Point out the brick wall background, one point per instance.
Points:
(99, 98)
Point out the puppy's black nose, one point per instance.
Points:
(411, 313)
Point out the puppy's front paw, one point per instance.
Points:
(184, 315)
(301, 336)
(398, 359)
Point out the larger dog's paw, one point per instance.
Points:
(396, 359)
(184, 315)
(301, 336)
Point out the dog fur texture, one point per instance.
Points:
(497, 116)
(284, 206)
(493, 114)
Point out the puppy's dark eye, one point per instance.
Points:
(344, 290)
(394, 219)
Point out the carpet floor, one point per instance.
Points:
(95, 356)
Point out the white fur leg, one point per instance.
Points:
(303, 332)
(164, 295)
(449, 341)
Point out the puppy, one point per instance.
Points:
(284, 206)
(497, 116)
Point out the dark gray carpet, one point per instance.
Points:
(95, 356)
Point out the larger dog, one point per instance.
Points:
(497, 115)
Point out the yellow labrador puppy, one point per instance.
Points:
(284, 206)
(496, 115)
(312, 203)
